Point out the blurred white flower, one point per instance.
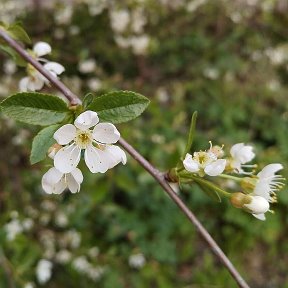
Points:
(73, 238)
(87, 66)
(194, 5)
(63, 256)
(79, 137)
(268, 183)
(61, 219)
(137, 261)
(241, 154)
(35, 80)
(9, 67)
(119, 20)
(44, 271)
(64, 15)
(81, 264)
(205, 162)
(211, 73)
(94, 84)
(138, 20)
(93, 252)
(12, 229)
(29, 285)
(27, 224)
(95, 273)
(139, 44)
(258, 207)
(55, 182)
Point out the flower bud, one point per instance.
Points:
(258, 205)
(53, 150)
(248, 183)
(239, 199)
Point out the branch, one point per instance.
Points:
(154, 172)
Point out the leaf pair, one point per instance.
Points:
(45, 110)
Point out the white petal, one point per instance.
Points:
(73, 185)
(59, 187)
(86, 120)
(41, 49)
(190, 164)
(260, 216)
(96, 160)
(114, 155)
(50, 178)
(235, 148)
(258, 205)
(106, 133)
(215, 168)
(65, 134)
(77, 175)
(270, 170)
(54, 67)
(33, 83)
(23, 84)
(67, 158)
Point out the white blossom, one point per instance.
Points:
(55, 182)
(44, 271)
(205, 162)
(241, 154)
(258, 207)
(137, 261)
(35, 80)
(99, 153)
(63, 256)
(119, 20)
(13, 228)
(267, 183)
(87, 66)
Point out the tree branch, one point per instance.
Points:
(159, 177)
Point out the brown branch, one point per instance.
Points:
(159, 177)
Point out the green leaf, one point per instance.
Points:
(42, 142)
(18, 33)
(191, 134)
(119, 106)
(88, 98)
(35, 108)
(11, 52)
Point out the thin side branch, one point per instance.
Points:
(159, 176)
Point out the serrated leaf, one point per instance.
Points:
(119, 106)
(35, 108)
(42, 142)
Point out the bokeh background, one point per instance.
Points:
(226, 59)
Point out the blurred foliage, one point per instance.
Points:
(226, 59)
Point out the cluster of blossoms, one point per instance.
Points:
(35, 80)
(75, 141)
(258, 190)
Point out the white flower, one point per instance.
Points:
(119, 20)
(139, 44)
(55, 182)
(137, 261)
(268, 183)
(258, 206)
(13, 228)
(63, 256)
(204, 162)
(99, 157)
(87, 66)
(81, 264)
(35, 80)
(44, 271)
(241, 154)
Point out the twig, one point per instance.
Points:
(160, 177)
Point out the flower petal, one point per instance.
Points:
(114, 155)
(190, 164)
(23, 84)
(65, 134)
(41, 49)
(59, 187)
(269, 170)
(50, 179)
(67, 158)
(73, 185)
(77, 175)
(106, 133)
(54, 67)
(235, 148)
(86, 120)
(215, 168)
(260, 216)
(96, 160)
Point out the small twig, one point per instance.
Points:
(160, 177)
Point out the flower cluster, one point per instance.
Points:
(74, 141)
(35, 80)
(258, 190)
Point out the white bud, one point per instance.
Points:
(258, 205)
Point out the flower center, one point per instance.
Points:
(202, 158)
(83, 138)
